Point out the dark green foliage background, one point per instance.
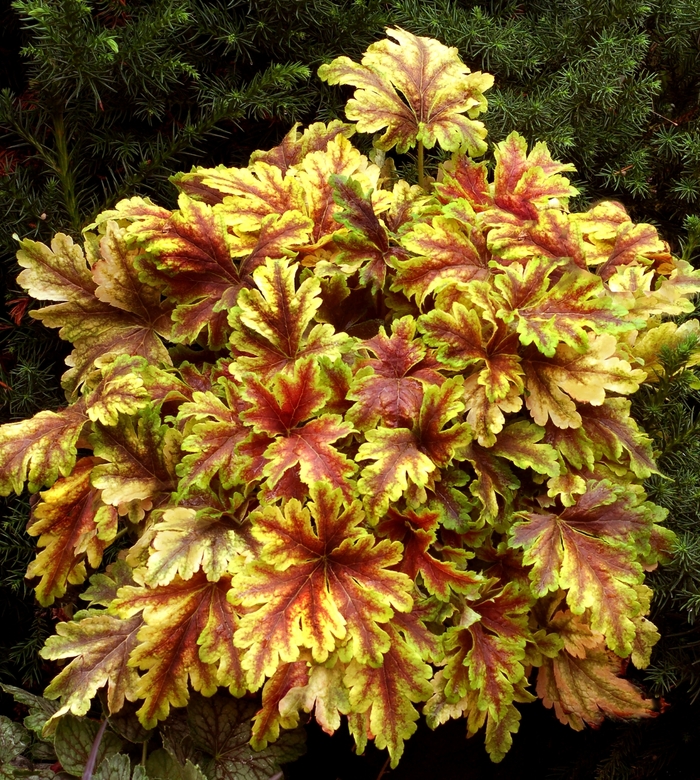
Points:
(108, 98)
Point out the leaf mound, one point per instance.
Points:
(369, 446)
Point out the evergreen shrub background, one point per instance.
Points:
(107, 98)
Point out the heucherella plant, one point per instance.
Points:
(365, 446)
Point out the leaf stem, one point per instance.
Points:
(421, 165)
(382, 771)
(119, 534)
(144, 752)
(92, 758)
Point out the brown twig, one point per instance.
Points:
(666, 118)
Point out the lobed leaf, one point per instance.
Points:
(289, 680)
(186, 637)
(280, 413)
(316, 175)
(447, 254)
(107, 310)
(247, 194)
(213, 443)
(320, 586)
(295, 147)
(139, 457)
(389, 388)
(486, 649)
(74, 527)
(589, 550)
(100, 646)
(190, 255)
(383, 697)
(584, 683)
(186, 540)
(521, 443)
(524, 182)
(270, 323)
(38, 450)
(555, 384)
(403, 454)
(552, 235)
(322, 690)
(437, 90)
(567, 312)
(364, 247)
(417, 533)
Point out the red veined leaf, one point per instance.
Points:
(485, 650)
(280, 412)
(271, 323)
(40, 449)
(323, 586)
(403, 454)
(525, 182)
(213, 442)
(268, 720)
(494, 478)
(364, 246)
(247, 194)
(389, 388)
(553, 236)
(186, 540)
(295, 147)
(383, 696)
(634, 244)
(74, 527)
(100, 645)
(615, 435)
(122, 315)
(192, 252)
(446, 253)
(187, 637)
(453, 506)
(437, 88)
(140, 457)
(589, 550)
(315, 172)
(584, 682)
(129, 384)
(555, 383)
(548, 314)
(417, 532)
(521, 442)
(461, 342)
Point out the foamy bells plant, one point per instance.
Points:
(368, 444)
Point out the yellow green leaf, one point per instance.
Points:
(186, 637)
(271, 323)
(418, 89)
(40, 449)
(322, 585)
(100, 646)
(74, 527)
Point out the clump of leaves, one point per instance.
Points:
(207, 742)
(370, 442)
